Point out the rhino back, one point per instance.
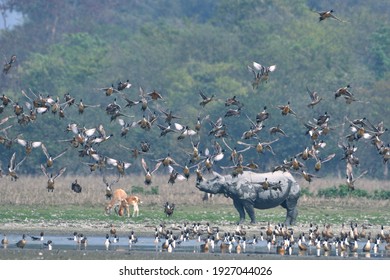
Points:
(272, 177)
(272, 197)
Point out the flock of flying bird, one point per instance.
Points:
(89, 140)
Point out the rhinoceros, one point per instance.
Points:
(256, 190)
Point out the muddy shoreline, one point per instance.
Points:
(145, 230)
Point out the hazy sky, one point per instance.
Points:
(11, 19)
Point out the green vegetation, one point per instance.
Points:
(180, 47)
(307, 192)
(344, 191)
(148, 214)
(380, 194)
(214, 213)
(154, 190)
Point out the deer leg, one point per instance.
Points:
(136, 210)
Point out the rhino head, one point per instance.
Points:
(214, 185)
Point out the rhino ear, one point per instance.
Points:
(216, 174)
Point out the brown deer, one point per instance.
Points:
(117, 197)
(125, 206)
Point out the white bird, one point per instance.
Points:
(49, 245)
(107, 242)
(13, 167)
(260, 72)
(28, 145)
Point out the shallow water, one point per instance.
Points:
(69, 249)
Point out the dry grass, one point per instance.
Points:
(365, 184)
(360, 206)
(32, 191)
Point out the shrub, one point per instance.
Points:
(137, 189)
(141, 190)
(154, 190)
(306, 192)
(343, 191)
(381, 194)
(360, 193)
(330, 192)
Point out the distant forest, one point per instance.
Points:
(179, 49)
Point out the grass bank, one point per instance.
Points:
(27, 201)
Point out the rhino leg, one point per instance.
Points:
(291, 216)
(240, 208)
(292, 211)
(250, 210)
